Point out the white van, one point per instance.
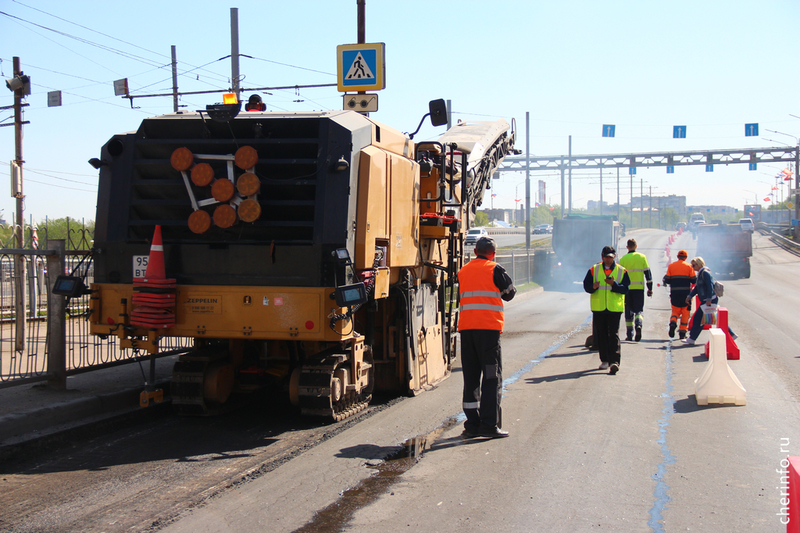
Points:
(747, 224)
(695, 220)
(474, 234)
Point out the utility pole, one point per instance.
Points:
(797, 194)
(174, 80)
(641, 202)
(362, 29)
(235, 51)
(18, 94)
(601, 192)
(618, 212)
(19, 263)
(527, 180)
(569, 172)
(362, 21)
(563, 196)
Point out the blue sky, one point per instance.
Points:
(574, 65)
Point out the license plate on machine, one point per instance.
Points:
(140, 265)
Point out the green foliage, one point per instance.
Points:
(481, 219)
(544, 215)
(78, 234)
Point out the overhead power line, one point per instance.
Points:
(123, 53)
(85, 41)
(90, 29)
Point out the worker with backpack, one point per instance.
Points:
(708, 290)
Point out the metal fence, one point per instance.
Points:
(44, 338)
(526, 265)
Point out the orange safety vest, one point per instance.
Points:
(680, 270)
(481, 304)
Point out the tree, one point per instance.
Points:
(481, 219)
(79, 235)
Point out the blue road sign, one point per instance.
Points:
(361, 67)
(751, 130)
(632, 171)
(709, 168)
(670, 170)
(608, 130)
(679, 132)
(753, 166)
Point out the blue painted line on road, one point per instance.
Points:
(460, 417)
(542, 356)
(660, 492)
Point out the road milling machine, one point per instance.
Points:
(313, 252)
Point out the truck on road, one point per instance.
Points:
(725, 248)
(578, 240)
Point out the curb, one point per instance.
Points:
(26, 426)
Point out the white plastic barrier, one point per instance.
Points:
(718, 383)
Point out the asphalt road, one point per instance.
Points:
(587, 451)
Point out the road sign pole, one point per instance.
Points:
(527, 180)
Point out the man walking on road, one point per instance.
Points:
(680, 277)
(482, 285)
(608, 284)
(639, 271)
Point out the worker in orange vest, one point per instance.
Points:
(680, 277)
(483, 285)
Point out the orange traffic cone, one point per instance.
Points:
(155, 265)
(154, 295)
(155, 275)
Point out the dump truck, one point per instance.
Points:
(725, 248)
(577, 242)
(312, 253)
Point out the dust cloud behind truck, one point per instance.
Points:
(578, 240)
(725, 248)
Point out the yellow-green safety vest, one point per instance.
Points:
(635, 263)
(603, 298)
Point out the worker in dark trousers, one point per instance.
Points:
(483, 285)
(608, 284)
(639, 271)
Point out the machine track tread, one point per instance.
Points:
(315, 392)
(186, 388)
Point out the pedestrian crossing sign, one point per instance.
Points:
(360, 67)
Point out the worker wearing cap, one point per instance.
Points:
(254, 103)
(639, 271)
(482, 286)
(608, 284)
(680, 277)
